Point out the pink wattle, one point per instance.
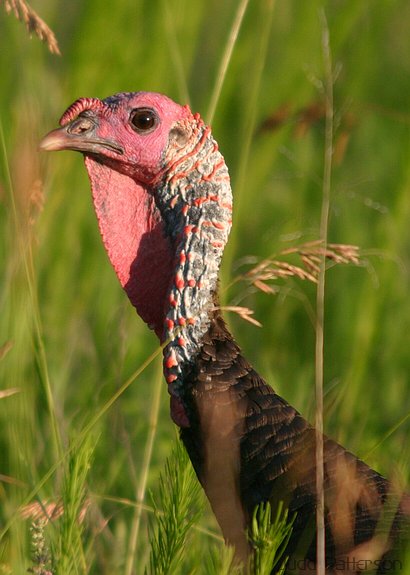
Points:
(133, 235)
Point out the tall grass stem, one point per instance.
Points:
(250, 120)
(169, 24)
(81, 436)
(24, 243)
(226, 58)
(320, 295)
(142, 487)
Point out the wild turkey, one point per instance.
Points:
(163, 200)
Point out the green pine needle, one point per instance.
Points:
(177, 510)
(220, 561)
(269, 535)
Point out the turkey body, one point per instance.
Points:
(269, 455)
(163, 201)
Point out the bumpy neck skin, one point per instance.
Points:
(195, 201)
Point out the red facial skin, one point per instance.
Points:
(124, 166)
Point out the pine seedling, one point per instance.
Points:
(269, 536)
(176, 511)
(221, 561)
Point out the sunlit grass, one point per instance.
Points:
(69, 340)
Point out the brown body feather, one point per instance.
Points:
(249, 445)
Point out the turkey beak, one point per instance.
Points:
(79, 135)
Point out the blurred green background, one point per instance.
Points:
(70, 337)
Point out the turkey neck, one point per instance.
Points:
(195, 201)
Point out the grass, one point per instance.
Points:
(269, 536)
(77, 425)
(327, 95)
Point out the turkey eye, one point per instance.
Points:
(143, 120)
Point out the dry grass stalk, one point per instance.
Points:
(244, 312)
(34, 24)
(273, 268)
(8, 392)
(49, 511)
(11, 481)
(310, 255)
(27, 186)
(5, 348)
